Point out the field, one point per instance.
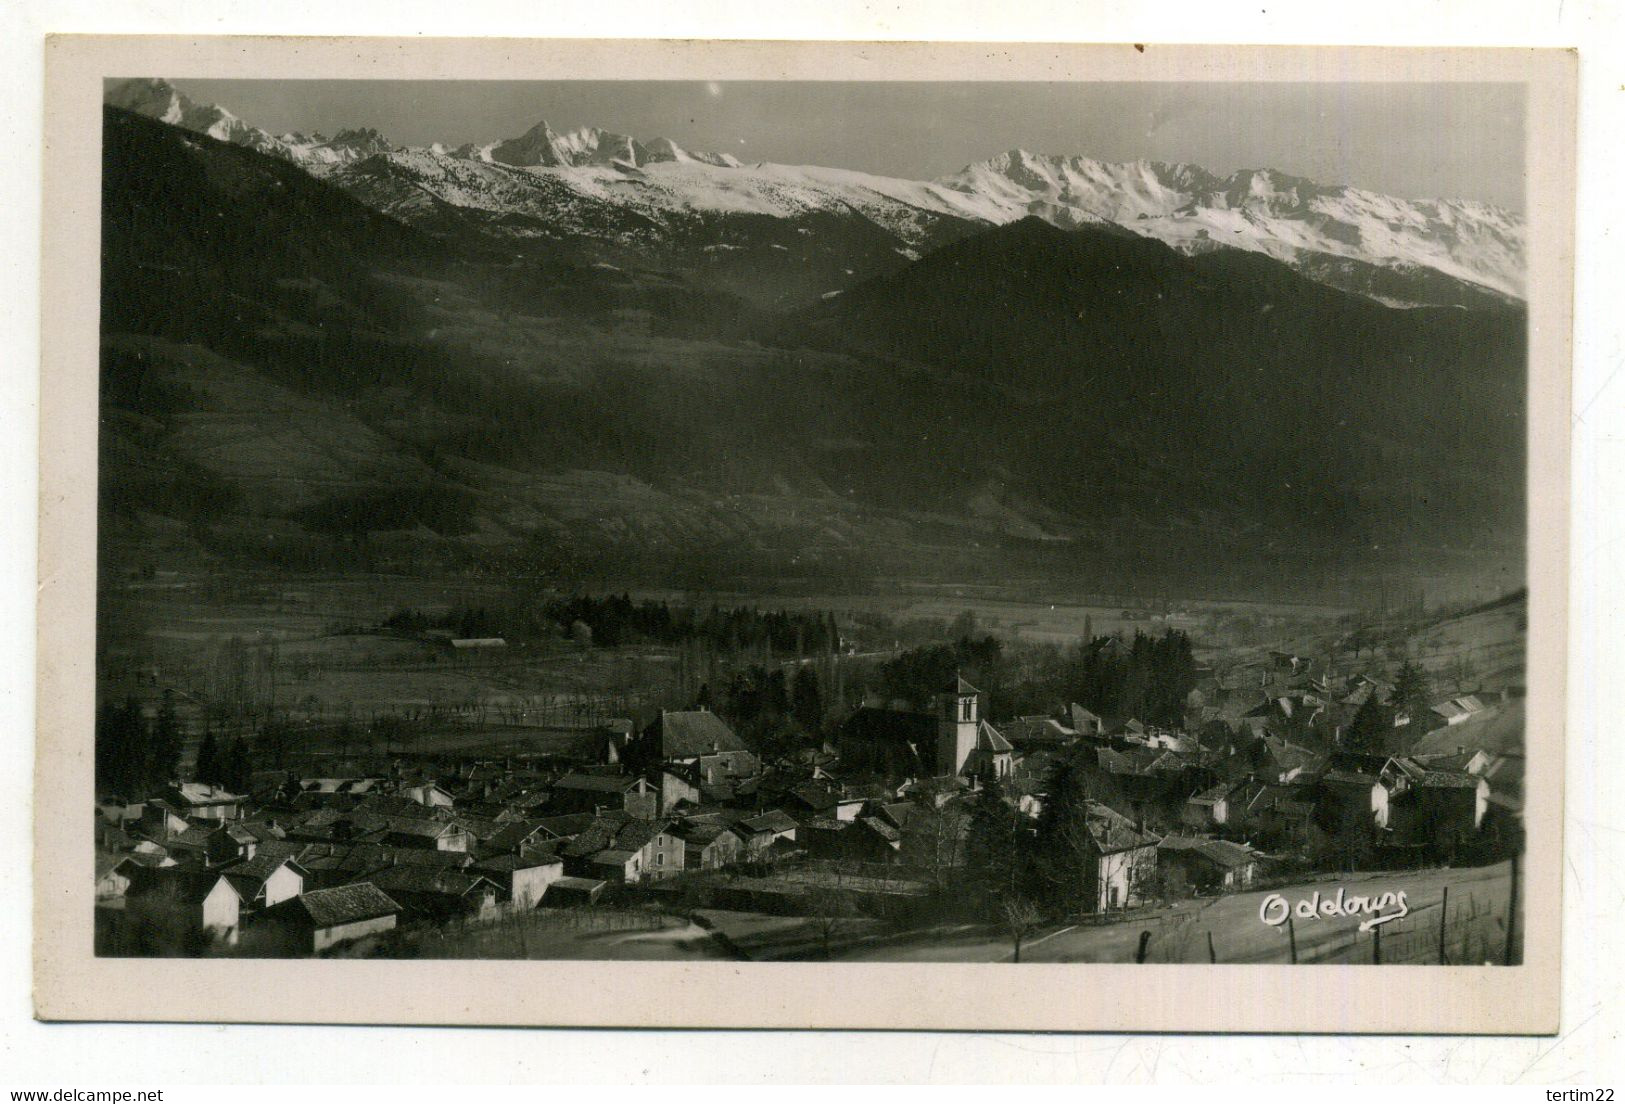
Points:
(1474, 912)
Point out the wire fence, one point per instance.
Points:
(1470, 924)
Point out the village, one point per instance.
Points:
(900, 813)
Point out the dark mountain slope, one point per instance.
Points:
(290, 377)
(1222, 382)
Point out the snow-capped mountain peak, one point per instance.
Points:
(1291, 218)
(158, 99)
(593, 183)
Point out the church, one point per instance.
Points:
(951, 739)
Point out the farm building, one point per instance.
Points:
(322, 918)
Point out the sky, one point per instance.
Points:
(1410, 140)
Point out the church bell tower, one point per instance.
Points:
(958, 719)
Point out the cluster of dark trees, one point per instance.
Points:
(136, 754)
(1149, 677)
(776, 713)
(617, 619)
(222, 764)
(1372, 728)
(919, 674)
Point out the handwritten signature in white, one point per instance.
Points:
(1379, 909)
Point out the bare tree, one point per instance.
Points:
(1021, 917)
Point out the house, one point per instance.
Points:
(437, 893)
(515, 837)
(603, 793)
(1209, 864)
(191, 846)
(1454, 711)
(1475, 761)
(431, 794)
(230, 843)
(754, 840)
(780, 823)
(570, 892)
(437, 835)
(709, 846)
(1438, 806)
(1085, 723)
(1279, 813)
(312, 922)
(1208, 809)
(523, 878)
(567, 826)
(1356, 787)
(697, 738)
(624, 848)
(198, 800)
(265, 880)
(613, 864)
(161, 820)
(867, 839)
(678, 785)
(1118, 859)
(114, 874)
(186, 905)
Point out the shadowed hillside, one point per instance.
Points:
(291, 378)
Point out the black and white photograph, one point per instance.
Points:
(720, 522)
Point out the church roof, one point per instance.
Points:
(988, 738)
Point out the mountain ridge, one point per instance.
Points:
(611, 192)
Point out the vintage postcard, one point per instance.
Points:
(804, 534)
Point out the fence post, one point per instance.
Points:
(1292, 940)
(1376, 945)
(1444, 913)
(1212, 956)
(1145, 945)
(1512, 914)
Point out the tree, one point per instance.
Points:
(1348, 839)
(995, 858)
(165, 742)
(1369, 730)
(1021, 917)
(208, 766)
(122, 762)
(806, 701)
(237, 771)
(1411, 691)
(1065, 850)
(775, 693)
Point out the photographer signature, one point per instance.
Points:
(1275, 909)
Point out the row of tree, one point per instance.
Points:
(222, 764)
(616, 620)
(136, 754)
